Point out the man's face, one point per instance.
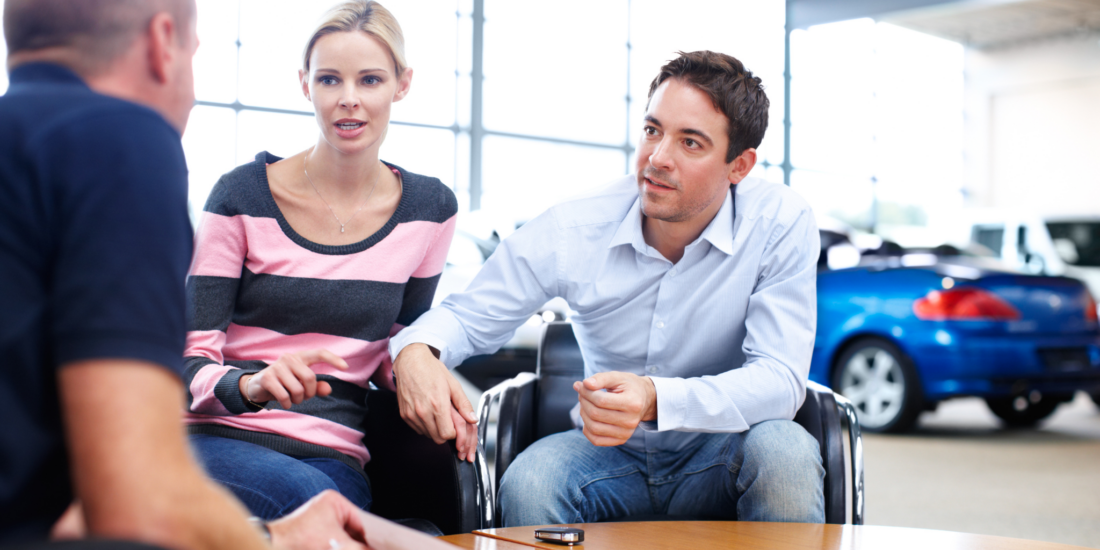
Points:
(682, 170)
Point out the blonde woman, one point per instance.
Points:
(304, 267)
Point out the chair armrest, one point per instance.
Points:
(849, 422)
(513, 431)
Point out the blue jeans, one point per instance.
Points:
(772, 472)
(272, 484)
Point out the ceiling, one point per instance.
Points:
(993, 24)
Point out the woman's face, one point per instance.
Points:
(351, 83)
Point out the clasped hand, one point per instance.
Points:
(610, 417)
(291, 380)
(432, 401)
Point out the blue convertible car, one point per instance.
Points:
(906, 329)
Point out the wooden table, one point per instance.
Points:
(708, 535)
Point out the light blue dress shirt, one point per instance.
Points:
(726, 333)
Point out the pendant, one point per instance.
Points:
(341, 229)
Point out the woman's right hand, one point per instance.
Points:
(290, 380)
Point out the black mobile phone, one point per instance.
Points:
(560, 535)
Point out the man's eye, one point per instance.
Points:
(649, 131)
(691, 143)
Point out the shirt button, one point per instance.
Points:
(651, 369)
(672, 272)
(660, 324)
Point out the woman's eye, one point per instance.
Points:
(372, 80)
(327, 80)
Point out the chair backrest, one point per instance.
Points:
(559, 364)
(412, 477)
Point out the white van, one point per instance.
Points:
(1068, 245)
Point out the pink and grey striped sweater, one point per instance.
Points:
(258, 290)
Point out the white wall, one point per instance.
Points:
(1033, 127)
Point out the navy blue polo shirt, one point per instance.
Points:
(94, 249)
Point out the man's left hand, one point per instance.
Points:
(610, 417)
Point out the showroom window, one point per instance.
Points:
(563, 88)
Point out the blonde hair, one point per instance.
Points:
(365, 16)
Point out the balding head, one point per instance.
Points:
(86, 35)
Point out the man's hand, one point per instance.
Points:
(610, 417)
(314, 525)
(432, 401)
(290, 380)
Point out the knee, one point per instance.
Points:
(783, 446)
(782, 467)
(536, 489)
(537, 473)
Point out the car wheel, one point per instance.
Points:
(1023, 411)
(881, 383)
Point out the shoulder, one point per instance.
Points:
(428, 198)
(97, 122)
(608, 203)
(241, 190)
(771, 203)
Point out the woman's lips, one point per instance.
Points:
(349, 129)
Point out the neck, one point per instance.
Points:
(342, 174)
(670, 238)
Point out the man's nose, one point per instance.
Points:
(661, 158)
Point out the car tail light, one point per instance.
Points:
(964, 304)
(1090, 307)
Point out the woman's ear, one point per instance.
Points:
(303, 78)
(403, 84)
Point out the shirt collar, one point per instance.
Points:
(719, 232)
(44, 72)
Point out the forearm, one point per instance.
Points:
(132, 468)
(733, 401)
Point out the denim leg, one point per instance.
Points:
(351, 483)
(564, 478)
(772, 472)
(269, 483)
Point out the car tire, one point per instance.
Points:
(1019, 411)
(882, 384)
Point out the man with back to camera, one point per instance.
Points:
(695, 297)
(95, 243)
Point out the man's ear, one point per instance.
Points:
(162, 35)
(403, 84)
(303, 79)
(741, 166)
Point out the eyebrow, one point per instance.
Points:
(364, 71)
(689, 131)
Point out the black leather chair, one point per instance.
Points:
(413, 479)
(535, 405)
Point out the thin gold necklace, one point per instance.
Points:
(305, 160)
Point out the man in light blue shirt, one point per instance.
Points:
(694, 289)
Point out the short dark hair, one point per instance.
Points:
(97, 31)
(733, 90)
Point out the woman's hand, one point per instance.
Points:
(290, 380)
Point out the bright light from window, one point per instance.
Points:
(877, 123)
